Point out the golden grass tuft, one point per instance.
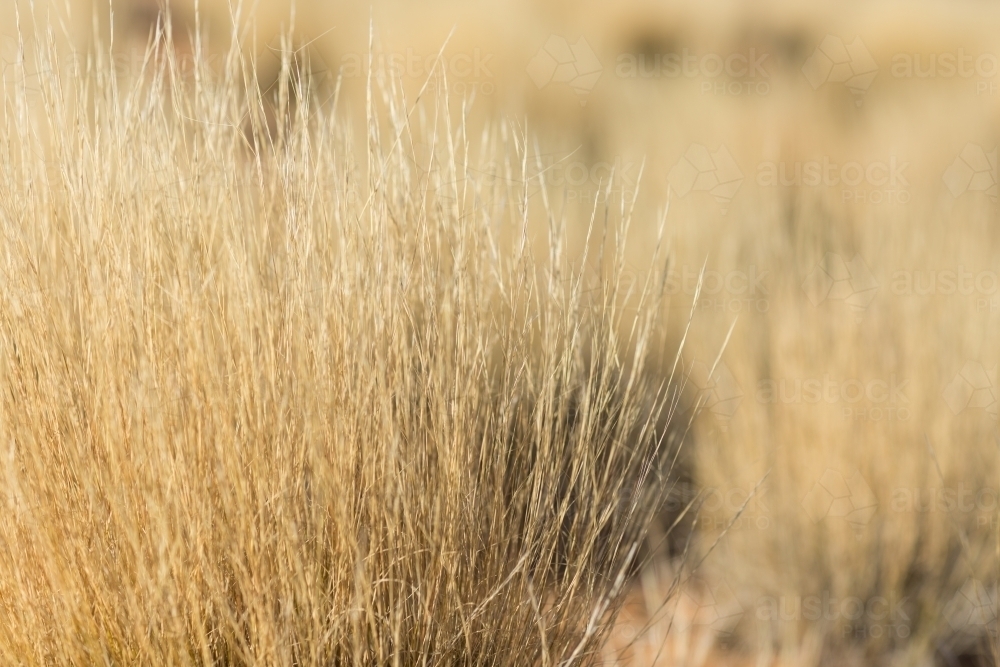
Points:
(276, 396)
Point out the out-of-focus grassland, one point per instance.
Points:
(847, 445)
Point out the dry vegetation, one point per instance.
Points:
(274, 397)
(347, 369)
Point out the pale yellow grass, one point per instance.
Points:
(274, 394)
(926, 557)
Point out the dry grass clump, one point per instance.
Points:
(275, 396)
